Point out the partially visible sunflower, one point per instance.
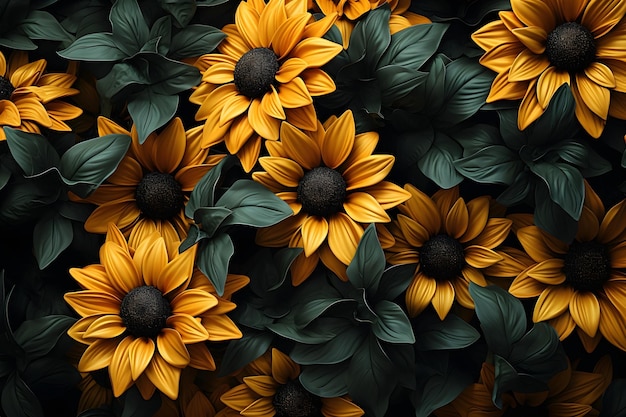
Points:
(334, 184)
(349, 12)
(543, 44)
(30, 98)
(152, 183)
(581, 285)
(451, 242)
(267, 70)
(571, 393)
(146, 315)
(272, 388)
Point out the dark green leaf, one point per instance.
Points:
(283, 260)
(368, 264)
(49, 372)
(253, 205)
(307, 312)
(395, 281)
(502, 317)
(494, 164)
(32, 152)
(203, 194)
(392, 325)
(550, 217)
(130, 31)
(565, 184)
(518, 191)
(166, 76)
(151, 111)
(370, 38)
(161, 31)
(17, 40)
(614, 400)
(88, 163)
(195, 40)
(52, 235)
(539, 353)
(508, 379)
(194, 236)
(438, 163)
(413, 46)
(18, 400)
(38, 336)
(241, 352)
(440, 390)
(558, 121)
(42, 25)
(26, 199)
(336, 350)
(213, 258)
(136, 406)
(326, 381)
(93, 47)
(396, 82)
(182, 10)
(476, 137)
(450, 333)
(210, 218)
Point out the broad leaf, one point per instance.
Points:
(413, 46)
(336, 350)
(565, 184)
(241, 352)
(213, 258)
(494, 164)
(614, 400)
(151, 111)
(182, 10)
(438, 163)
(42, 25)
(392, 325)
(195, 40)
(94, 47)
(370, 37)
(368, 264)
(130, 31)
(203, 194)
(52, 234)
(326, 381)
(211, 218)
(32, 152)
(18, 399)
(450, 333)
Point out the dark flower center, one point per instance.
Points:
(587, 266)
(571, 47)
(101, 377)
(159, 196)
(255, 72)
(6, 88)
(144, 311)
(322, 191)
(442, 257)
(526, 411)
(292, 400)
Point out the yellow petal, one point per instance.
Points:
(283, 368)
(140, 353)
(531, 239)
(612, 324)
(234, 106)
(423, 210)
(338, 140)
(9, 114)
(316, 51)
(262, 123)
(457, 219)
(31, 109)
(591, 122)
(525, 287)
(303, 118)
(171, 347)
(264, 385)
(443, 298)
(534, 13)
(364, 208)
(221, 328)
(92, 277)
(318, 82)
(239, 397)
(534, 38)
(419, 294)
(388, 194)
(119, 369)
(478, 214)
(105, 327)
(177, 272)
(200, 357)
(271, 19)
(120, 267)
(98, 355)
(595, 96)
(262, 407)
(528, 66)
(553, 302)
(290, 69)
(588, 226)
(164, 376)
(585, 311)
(549, 272)
(247, 21)
(193, 302)
(613, 224)
(368, 171)
(314, 232)
(600, 74)
(271, 105)
(300, 147)
(288, 34)
(550, 81)
(601, 16)
(219, 73)
(283, 170)
(480, 257)
(340, 407)
(343, 237)
(294, 94)
(28, 74)
(190, 330)
(121, 213)
(530, 109)
(88, 302)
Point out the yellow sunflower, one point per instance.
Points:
(571, 393)
(451, 242)
(543, 44)
(349, 12)
(145, 315)
(152, 183)
(580, 285)
(30, 99)
(267, 70)
(334, 185)
(272, 388)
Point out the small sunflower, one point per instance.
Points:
(146, 315)
(267, 70)
(152, 183)
(350, 11)
(30, 99)
(543, 44)
(273, 389)
(451, 242)
(334, 184)
(580, 285)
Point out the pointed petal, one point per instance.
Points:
(419, 294)
(190, 330)
(314, 232)
(443, 299)
(105, 327)
(172, 348)
(283, 170)
(338, 140)
(343, 237)
(98, 355)
(283, 368)
(140, 353)
(262, 123)
(553, 302)
(585, 311)
(364, 208)
(164, 376)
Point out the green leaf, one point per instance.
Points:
(18, 400)
(32, 152)
(241, 352)
(502, 317)
(211, 218)
(370, 38)
(450, 333)
(136, 406)
(88, 163)
(203, 194)
(334, 351)
(123, 79)
(392, 325)
(368, 264)
(39, 336)
(440, 390)
(477, 137)
(50, 372)
(371, 379)
(253, 205)
(614, 400)
(539, 353)
(194, 236)
(413, 46)
(283, 260)
(395, 281)
(195, 40)
(52, 235)
(508, 379)
(565, 184)
(99, 47)
(166, 76)
(309, 311)
(182, 10)
(17, 40)
(494, 164)
(438, 163)
(550, 217)
(151, 111)
(25, 199)
(558, 121)
(213, 259)
(326, 381)
(42, 25)
(161, 31)
(396, 82)
(130, 31)
(518, 191)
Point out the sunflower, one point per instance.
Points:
(333, 184)
(580, 285)
(451, 242)
(266, 71)
(272, 388)
(152, 183)
(543, 44)
(350, 11)
(146, 315)
(571, 393)
(30, 99)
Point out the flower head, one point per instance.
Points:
(580, 285)
(543, 44)
(450, 241)
(151, 185)
(145, 315)
(30, 98)
(267, 70)
(334, 184)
